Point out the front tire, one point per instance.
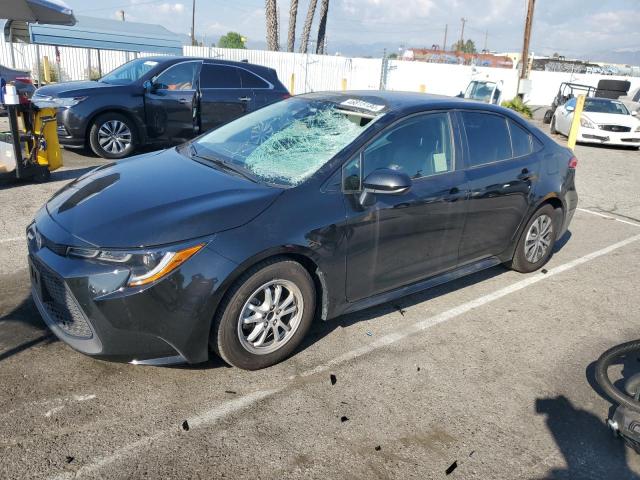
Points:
(113, 136)
(536, 242)
(265, 315)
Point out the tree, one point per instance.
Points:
(393, 56)
(232, 40)
(322, 27)
(465, 47)
(271, 14)
(306, 31)
(293, 16)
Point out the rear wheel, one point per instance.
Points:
(537, 241)
(265, 315)
(113, 136)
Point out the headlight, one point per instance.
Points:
(638, 128)
(145, 266)
(67, 101)
(585, 122)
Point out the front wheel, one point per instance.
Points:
(112, 136)
(265, 315)
(536, 243)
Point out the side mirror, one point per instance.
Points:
(386, 182)
(149, 86)
(569, 108)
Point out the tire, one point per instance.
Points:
(523, 263)
(615, 85)
(610, 94)
(238, 344)
(122, 141)
(548, 115)
(552, 126)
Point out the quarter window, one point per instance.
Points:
(419, 147)
(249, 80)
(219, 76)
(487, 137)
(520, 140)
(178, 77)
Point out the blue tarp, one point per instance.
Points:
(105, 34)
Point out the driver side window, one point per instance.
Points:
(177, 77)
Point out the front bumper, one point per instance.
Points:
(604, 137)
(166, 322)
(71, 129)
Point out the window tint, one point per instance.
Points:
(351, 175)
(520, 140)
(571, 103)
(177, 77)
(249, 80)
(487, 136)
(418, 147)
(219, 76)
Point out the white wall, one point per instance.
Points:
(322, 72)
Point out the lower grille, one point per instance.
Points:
(60, 304)
(615, 128)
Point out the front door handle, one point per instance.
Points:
(245, 99)
(184, 100)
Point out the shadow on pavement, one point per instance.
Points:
(589, 449)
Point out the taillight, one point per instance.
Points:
(573, 163)
(285, 96)
(24, 80)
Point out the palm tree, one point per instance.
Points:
(271, 14)
(293, 15)
(306, 31)
(322, 27)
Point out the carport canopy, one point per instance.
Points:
(101, 34)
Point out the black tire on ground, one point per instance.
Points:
(225, 339)
(552, 126)
(103, 119)
(519, 263)
(548, 115)
(615, 85)
(611, 94)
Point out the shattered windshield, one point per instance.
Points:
(289, 141)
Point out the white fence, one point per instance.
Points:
(304, 73)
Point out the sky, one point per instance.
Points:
(588, 29)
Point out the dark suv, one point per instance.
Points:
(163, 100)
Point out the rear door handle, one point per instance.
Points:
(525, 174)
(184, 100)
(245, 99)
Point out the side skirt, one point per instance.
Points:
(420, 286)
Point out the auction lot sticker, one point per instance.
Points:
(361, 104)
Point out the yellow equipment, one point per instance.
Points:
(45, 132)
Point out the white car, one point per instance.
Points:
(603, 121)
(632, 101)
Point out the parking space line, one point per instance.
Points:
(14, 239)
(610, 217)
(214, 414)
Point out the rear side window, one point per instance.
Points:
(520, 140)
(487, 136)
(636, 97)
(219, 76)
(249, 80)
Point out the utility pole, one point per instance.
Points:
(461, 44)
(524, 71)
(444, 44)
(486, 35)
(193, 23)
(121, 15)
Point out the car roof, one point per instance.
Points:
(177, 59)
(405, 102)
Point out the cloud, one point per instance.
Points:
(171, 7)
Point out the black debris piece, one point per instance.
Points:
(185, 426)
(378, 448)
(70, 459)
(344, 419)
(400, 310)
(472, 452)
(544, 270)
(333, 379)
(418, 369)
(232, 392)
(451, 468)
(347, 403)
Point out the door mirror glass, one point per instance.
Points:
(569, 108)
(147, 85)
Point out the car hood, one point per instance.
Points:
(612, 119)
(67, 89)
(156, 199)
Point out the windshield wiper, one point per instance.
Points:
(230, 167)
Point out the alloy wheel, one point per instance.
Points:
(114, 136)
(538, 239)
(270, 317)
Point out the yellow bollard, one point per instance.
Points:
(292, 83)
(47, 69)
(423, 88)
(344, 84)
(575, 123)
